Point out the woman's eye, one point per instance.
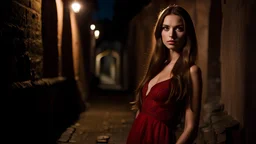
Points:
(180, 29)
(165, 28)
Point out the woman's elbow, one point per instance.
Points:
(191, 128)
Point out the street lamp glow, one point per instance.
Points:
(96, 34)
(92, 27)
(76, 7)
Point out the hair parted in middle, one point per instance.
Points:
(160, 56)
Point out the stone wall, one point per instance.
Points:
(42, 105)
(21, 33)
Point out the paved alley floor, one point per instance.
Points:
(108, 115)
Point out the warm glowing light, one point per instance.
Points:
(96, 34)
(76, 7)
(92, 27)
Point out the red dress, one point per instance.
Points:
(156, 122)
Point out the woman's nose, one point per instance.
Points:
(171, 33)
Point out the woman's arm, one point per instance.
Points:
(137, 113)
(193, 107)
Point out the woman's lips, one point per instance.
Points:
(171, 42)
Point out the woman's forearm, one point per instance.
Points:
(137, 113)
(187, 136)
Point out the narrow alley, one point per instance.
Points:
(73, 67)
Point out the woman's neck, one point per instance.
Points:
(174, 56)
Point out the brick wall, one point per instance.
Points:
(38, 110)
(22, 34)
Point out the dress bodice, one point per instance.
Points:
(154, 103)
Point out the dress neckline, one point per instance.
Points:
(148, 91)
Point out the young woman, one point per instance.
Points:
(172, 87)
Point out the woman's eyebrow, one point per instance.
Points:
(165, 25)
(178, 25)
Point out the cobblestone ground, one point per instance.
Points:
(108, 115)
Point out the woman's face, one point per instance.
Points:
(173, 32)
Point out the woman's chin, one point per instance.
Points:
(171, 47)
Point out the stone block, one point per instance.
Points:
(33, 20)
(36, 6)
(209, 136)
(35, 46)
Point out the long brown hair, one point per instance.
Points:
(181, 83)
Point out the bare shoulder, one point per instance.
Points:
(196, 79)
(195, 70)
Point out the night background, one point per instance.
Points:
(69, 83)
(115, 15)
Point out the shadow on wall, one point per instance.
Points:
(44, 109)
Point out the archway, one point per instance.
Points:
(108, 68)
